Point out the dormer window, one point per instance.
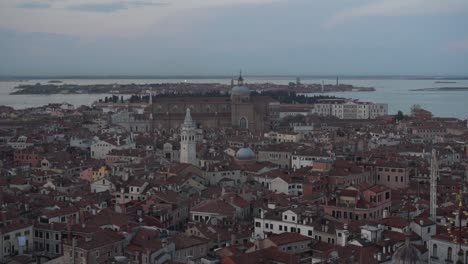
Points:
(285, 217)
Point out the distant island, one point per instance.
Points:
(55, 81)
(182, 87)
(445, 89)
(444, 82)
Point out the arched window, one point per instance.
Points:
(434, 250)
(449, 253)
(243, 123)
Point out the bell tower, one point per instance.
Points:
(188, 151)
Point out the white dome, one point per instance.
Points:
(240, 90)
(245, 154)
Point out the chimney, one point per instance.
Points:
(73, 250)
(69, 231)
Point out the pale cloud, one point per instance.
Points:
(102, 18)
(396, 8)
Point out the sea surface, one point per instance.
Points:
(396, 92)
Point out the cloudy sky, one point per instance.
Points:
(218, 37)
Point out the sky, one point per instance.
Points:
(219, 37)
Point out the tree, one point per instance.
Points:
(399, 116)
(121, 99)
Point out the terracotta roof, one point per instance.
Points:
(182, 241)
(288, 238)
(216, 207)
(264, 256)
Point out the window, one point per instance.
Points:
(257, 224)
(285, 217)
(243, 123)
(434, 250)
(280, 227)
(309, 233)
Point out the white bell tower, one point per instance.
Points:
(188, 144)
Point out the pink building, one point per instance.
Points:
(392, 175)
(87, 174)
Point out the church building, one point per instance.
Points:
(240, 111)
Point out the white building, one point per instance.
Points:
(306, 158)
(102, 185)
(283, 137)
(351, 109)
(15, 239)
(280, 222)
(188, 143)
(443, 249)
(100, 148)
(20, 142)
(287, 186)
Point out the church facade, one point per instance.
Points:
(239, 111)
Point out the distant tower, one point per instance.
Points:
(298, 81)
(232, 81)
(151, 105)
(337, 83)
(434, 176)
(323, 89)
(240, 81)
(188, 152)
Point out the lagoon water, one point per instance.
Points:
(393, 91)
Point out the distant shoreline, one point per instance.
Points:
(123, 89)
(201, 77)
(441, 89)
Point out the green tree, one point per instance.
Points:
(399, 116)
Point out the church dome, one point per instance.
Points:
(407, 254)
(245, 154)
(240, 91)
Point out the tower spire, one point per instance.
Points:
(188, 121)
(434, 176)
(240, 81)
